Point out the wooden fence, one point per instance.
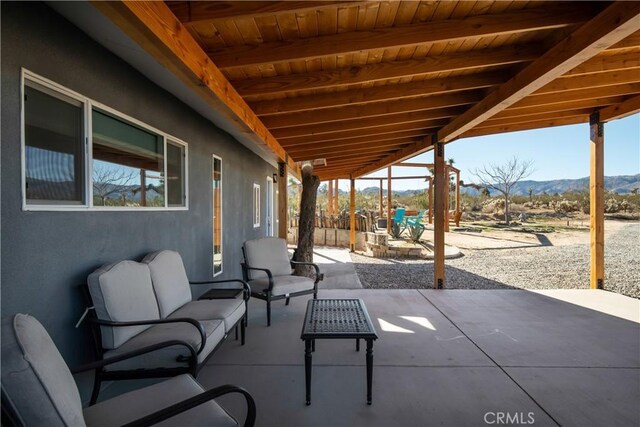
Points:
(365, 220)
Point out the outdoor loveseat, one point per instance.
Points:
(141, 304)
(268, 270)
(38, 389)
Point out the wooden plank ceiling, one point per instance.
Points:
(364, 84)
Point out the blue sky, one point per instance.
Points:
(557, 152)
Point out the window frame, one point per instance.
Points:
(88, 106)
(213, 158)
(256, 205)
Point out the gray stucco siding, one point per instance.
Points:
(47, 255)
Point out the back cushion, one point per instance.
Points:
(270, 253)
(169, 280)
(123, 292)
(37, 384)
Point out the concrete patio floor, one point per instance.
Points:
(452, 357)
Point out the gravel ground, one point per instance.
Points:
(547, 267)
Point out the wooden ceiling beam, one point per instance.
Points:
(526, 126)
(379, 93)
(549, 17)
(607, 62)
(585, 81)
(439, 103)
(410, 151)
(389, 130)
(410, 121)
(616, 22)
(334, 151)
(493, 122)
(319, 148)
(189, 12)
(155, 29)
(619, 111)
(337, 156)
(577, 95)
(548, 108)
(629, 42)
(356, 74)
(292, 144)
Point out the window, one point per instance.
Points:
(53, 147)
(217, 215)
(256, 205)
(79, 154)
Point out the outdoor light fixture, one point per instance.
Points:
(275, 178)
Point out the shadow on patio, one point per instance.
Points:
(448, 357)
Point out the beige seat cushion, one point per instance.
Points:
(36, 381)
(270, 253)
(122, 292)
(169, 280)
(139, 403)
(283, 285)
(166, 358)
(228, 310)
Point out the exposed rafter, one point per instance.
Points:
(398, 156)
(379, 93)
(615, 23)
(210, 11)
(387, 70)
(624, 109)
(384, 109)
(398, 37)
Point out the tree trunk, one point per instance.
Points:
(306, 225)
(506, 208)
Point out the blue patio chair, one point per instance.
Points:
(415, 220)
(399, 216)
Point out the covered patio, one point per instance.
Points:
(352, 88)
(449, 357)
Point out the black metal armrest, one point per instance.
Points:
(195, 323)
(245, 285)
(144, 350)
(266, 270)
(319, 276)
(197, 400)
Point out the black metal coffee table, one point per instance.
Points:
(336, 319)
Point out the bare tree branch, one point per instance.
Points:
(502, 178)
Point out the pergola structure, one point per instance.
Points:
(364, 85)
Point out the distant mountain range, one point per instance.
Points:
(621, 184)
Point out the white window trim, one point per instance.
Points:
(256, 205)
(89, 104)
(213, 156)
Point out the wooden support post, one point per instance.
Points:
(389, 200)
(330, 197)
(381, 199)
(596, 193)
(439, 213)
(283, 209)
(447, 199)
(336, 194)
(458, 208)
(352, 214)
(430, 200)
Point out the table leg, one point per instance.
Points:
(307, 369)
(369, 369)
(313, 345)
(357, 344)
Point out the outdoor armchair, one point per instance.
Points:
(268, 270)
(38, 389)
